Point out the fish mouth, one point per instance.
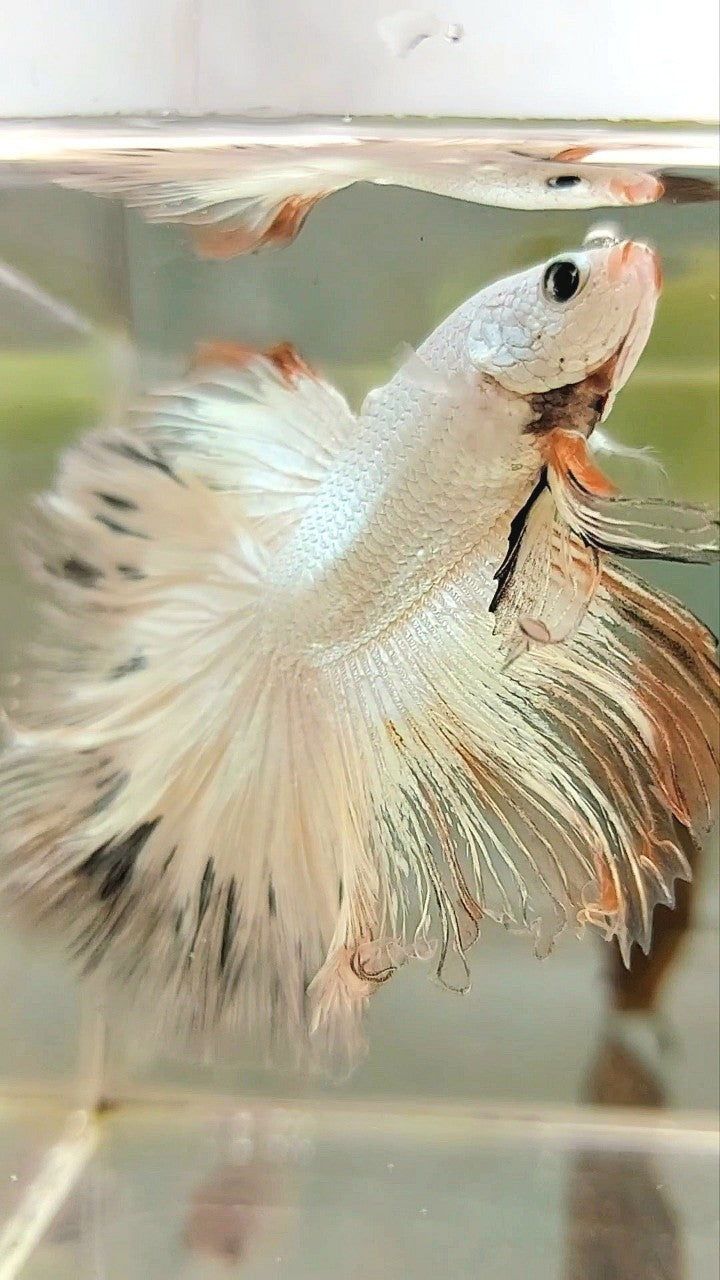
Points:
(637, 188)
(633, 257)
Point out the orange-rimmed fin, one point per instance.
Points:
(644, 528)
(568, 455)
(223, 354)
(249, 233)
(226, 215)
(632, 686)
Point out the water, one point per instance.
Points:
(509, 1133)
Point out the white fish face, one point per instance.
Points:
(556, 324)
(540, 184)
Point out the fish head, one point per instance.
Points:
(516, 180)
(541, 184)
(586, 313)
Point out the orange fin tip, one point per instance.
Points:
(568, 453)
(238, 355)
(221, 242)
(572, 154)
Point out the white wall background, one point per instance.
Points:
(653, 59)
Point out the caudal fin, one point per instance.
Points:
(171, 796)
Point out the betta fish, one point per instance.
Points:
(321, 692)
(237, 197)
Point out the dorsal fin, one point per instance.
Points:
(263, 426)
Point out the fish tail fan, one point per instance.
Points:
(569, 786)
(195, 866)
(172, 799)
(636, 692)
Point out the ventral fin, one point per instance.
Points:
(547, 580)
(229, 214)
(248, 233)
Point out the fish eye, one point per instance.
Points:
(563, 181)
(562, 280)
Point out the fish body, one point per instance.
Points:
(236, 198)
(231, 213)
(421, 476)
(323, 692)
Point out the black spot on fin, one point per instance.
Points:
(206, 887)
(169, 859)
(143, 459)
(136, 663)
(113, 863)
(229, 925)
(204, 896)
(131, 572)
(115, 527)
(119, 504)
(80, 572)
(113, 786)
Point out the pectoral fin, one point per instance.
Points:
(644, 528)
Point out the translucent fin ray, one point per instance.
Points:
(224, 215)
(645, 528)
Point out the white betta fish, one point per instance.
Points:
(231, 213)
(238, 197)
(326, 691)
